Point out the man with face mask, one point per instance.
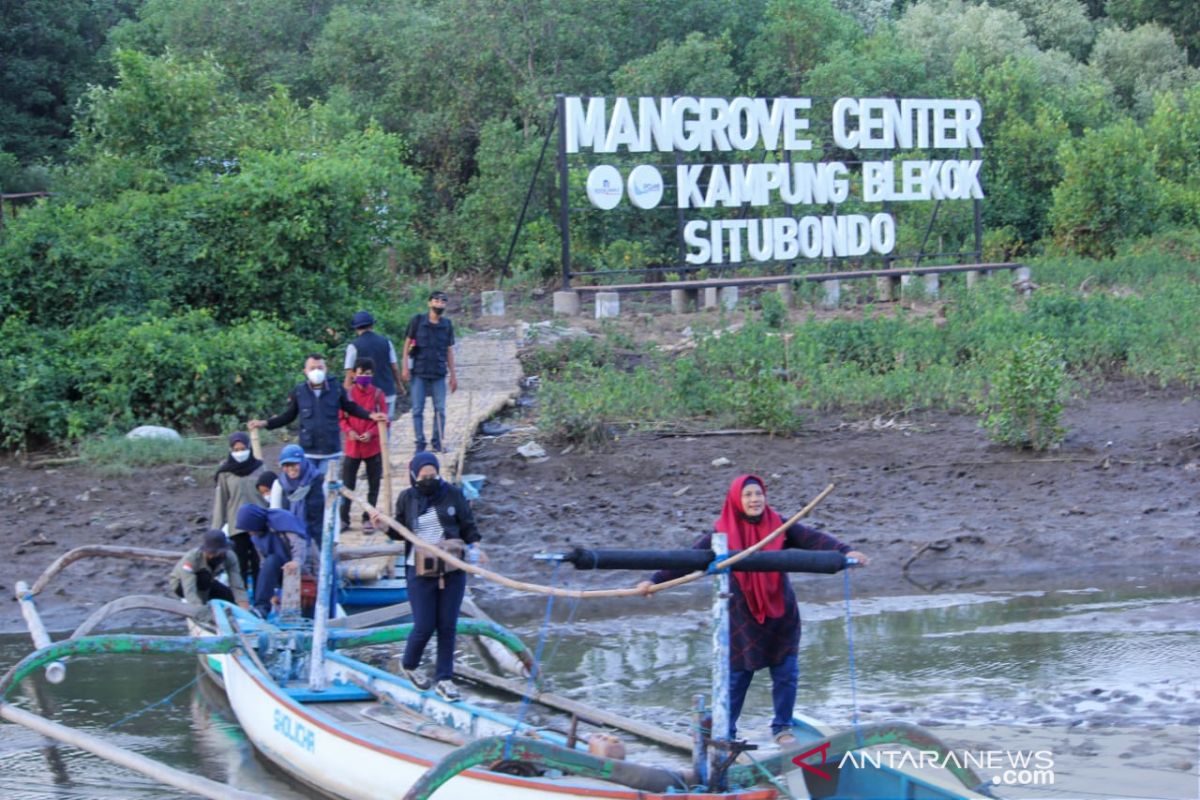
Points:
(195, 577)
(316, 402)
(437, 513)
(429, 343)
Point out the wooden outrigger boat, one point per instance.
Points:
(352, 730)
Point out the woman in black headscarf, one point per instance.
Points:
(437, 513)
(235, 488)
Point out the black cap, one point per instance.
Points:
(215, 541)
(438, 294)
(362, 319)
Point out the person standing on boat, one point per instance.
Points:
(282, 546)
(381, 351)
(764, 621)
(316, 402)
(235, 488)
(195, 577)
(429, 342)
(298, 489)
(437, 513)
(362, 440)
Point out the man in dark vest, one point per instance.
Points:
(429, 342)
(381, 351)
(316, 402)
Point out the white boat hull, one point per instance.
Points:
(316, 749)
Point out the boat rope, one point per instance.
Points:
(531, 688)
(774, 780)
(850, 659)
(155, 704)
(535, 588)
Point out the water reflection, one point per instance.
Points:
(1101, 676)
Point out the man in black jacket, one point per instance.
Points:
(316, 402)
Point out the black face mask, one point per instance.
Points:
(437, 312)
(427, 486)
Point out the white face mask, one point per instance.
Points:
(316, 377)
(239, 455)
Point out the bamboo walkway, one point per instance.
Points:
(489, 376)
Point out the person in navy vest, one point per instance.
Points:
(429, 342)
(381, 351)
(316, 403)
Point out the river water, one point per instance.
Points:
(1102, 682)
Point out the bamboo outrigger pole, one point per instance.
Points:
(193, 784)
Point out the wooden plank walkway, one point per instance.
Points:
(489, 376)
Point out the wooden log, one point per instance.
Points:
(653, 733)
(255, 444)
(504, 658)
(372, 551)
(389, 500)
(369, 619)
(193, 784)
(289, 600)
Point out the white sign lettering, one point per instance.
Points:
(780, 125)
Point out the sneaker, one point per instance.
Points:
(447, 690)
(418, 678)
(785, 737)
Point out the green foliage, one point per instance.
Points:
(1141, 63)
(774, 309)
(697, 66)
(1108, 191)
(1182, 17)
(944, 30)
(52, 50)
(262, 43)
(160, 113)
(117, 455)
(1025, 397)
(794, 38)
(1055, 24)
(574, 351)
(183, 371)
(1138, 315)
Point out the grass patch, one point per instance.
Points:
(118, 456)
(1137, 316)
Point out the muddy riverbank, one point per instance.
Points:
(1122, 494)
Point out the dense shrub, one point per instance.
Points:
(185, 371)
(1025, 396)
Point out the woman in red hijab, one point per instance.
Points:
(764, 621)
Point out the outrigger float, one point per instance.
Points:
(353, 730)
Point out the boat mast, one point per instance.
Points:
(718, 751)
(333, 529)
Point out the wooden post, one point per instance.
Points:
(720, 669)
(255, 444)
(56, 670)
(192, 784)
(386, 452)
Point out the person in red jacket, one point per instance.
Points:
(361, 436)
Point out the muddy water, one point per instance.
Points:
(1106, 681)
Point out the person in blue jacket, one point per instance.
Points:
(282, 546)
(298, 489)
